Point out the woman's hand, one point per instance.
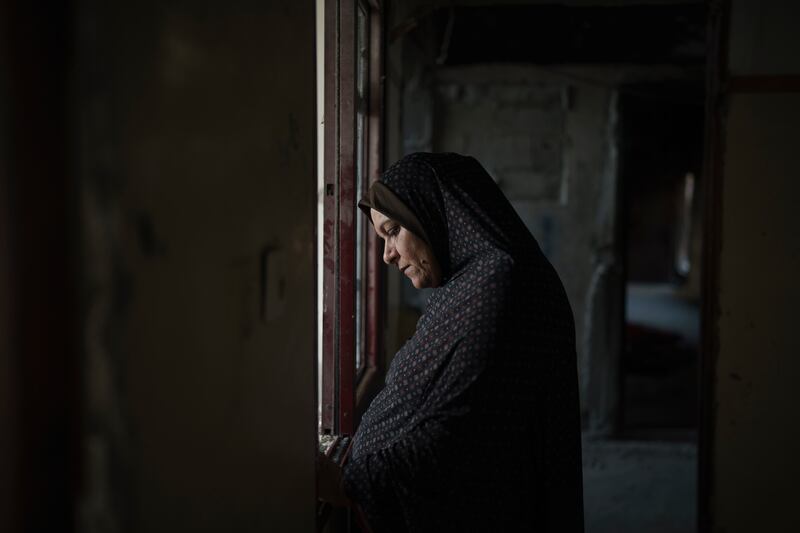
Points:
(330, 487)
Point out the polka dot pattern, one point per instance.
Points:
(477, 427)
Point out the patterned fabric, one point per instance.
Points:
(477, 427)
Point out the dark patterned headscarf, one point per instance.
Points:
(477, 427)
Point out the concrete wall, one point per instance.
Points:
(756, 437)
(549, 143)
(196, 143)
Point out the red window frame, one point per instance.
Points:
(343, 386)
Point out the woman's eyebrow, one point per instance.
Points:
(379, 229)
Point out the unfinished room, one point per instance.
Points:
(366, 266)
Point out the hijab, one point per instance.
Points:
(477, 426)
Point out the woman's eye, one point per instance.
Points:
(394, 230)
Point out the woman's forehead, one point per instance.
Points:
(378, 218)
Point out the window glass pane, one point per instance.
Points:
(362, 73)
(320, 19)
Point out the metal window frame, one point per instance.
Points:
(342, 392)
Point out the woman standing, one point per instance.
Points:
(477, 427)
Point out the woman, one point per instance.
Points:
(477, 427)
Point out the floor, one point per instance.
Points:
(639, 486)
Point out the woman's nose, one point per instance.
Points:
(389, 254)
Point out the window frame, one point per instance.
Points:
(345, 387)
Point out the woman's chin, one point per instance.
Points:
(419, 278)
(419, 282)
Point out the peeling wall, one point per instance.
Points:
(197, 164)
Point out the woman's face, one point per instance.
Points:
(406, 251)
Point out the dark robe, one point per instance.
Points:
(477, 427)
